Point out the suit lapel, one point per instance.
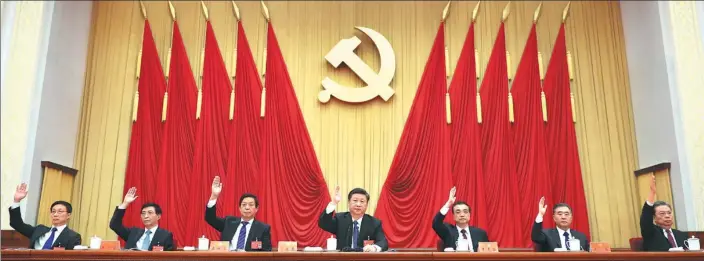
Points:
(158, 237)
(254, 230)
(556, 237)
(455, 235)
(230, 228)
(60, 237)
(135, 237)
(366, 233)
(38, 232)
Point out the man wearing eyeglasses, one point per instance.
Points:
(142, 238)
(41, 236)
(659, 236)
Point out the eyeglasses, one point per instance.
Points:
(57, 212)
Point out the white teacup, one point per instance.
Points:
(462, 245)
(692, 244)
(203, 243)
(332, 244)
(574, 245)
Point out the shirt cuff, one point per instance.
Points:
(444, 210)
(539, 219)
(331, 207)
(378, 248)
(649, 203)
(211, 203)
(14, 205)
(120, 207)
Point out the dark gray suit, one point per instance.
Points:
(549, 239)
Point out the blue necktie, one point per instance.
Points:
(355, 234)
(243, 234)
(49, 242)
(567, 240)
(147, 240)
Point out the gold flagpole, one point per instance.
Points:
(236, 11)
(570, 67)
(476, 67)
(202, 64)
(448, 74)
(507, 11)
(543, 102)
(262, 109)
(135, 105)
(165, 103)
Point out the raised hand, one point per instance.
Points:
(651, 195)
(131, 196)
(216, 188)
(337, 197)
(21, 192)
(451, 199)
(542, 207)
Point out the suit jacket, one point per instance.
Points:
(340, 224)
(228, 227)
(67, 239)
(549, 239)
(653, 237)
(449, 234)
(161, 237)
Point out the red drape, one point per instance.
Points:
(176, 159)
(420, 176)
(212, 131)
(528, 129)
(293, 191)
(145, 139)
(497, 149)
(245, 144)
(565, 170)
(467, 170)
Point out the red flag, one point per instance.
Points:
(176, 159)
(529, 130)
(497, 149)
(245, 144)
(467, 170)
(146, 131)
(212, 131)
(420, 176)
(293, 191)
(565, 170)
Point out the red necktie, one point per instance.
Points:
(671, 238)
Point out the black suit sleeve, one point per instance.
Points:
(485, 237)
(18, 224)
(266, 239)
(212, 219)
(169, 242)
(440, 229)
(116, 224)
(646, 220)
(537, 234)
(584, 239)
(380, 238)
(75, 241)
(328, 222)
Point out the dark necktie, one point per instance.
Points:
(355, 234)
(50, 241)
(671, 238)
(464, 233)
(567, 239)
(243, 234)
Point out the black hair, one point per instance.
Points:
(69, 209)
(561, 205)
(461, 203)
(250, 195)
(157, 208)
(357, 191)
(661, 203)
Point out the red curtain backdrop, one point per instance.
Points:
(420, 177)
(465, 134)
(529, 129)
(176, 158)
(145, 139)
(245, 141)
(212, 131)
(293, 191)
(498, 152)
(565, 171)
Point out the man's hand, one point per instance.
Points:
(21, 192)
(337, 197)
(451, 199)
(369, 248)
(216, 188)
(542, 208)
(130, 197)
(651, 195)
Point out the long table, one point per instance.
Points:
(207, 255)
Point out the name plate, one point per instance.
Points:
(220, 246)
(288, 246)
(488, 247)
(110, 245)
(599, 247)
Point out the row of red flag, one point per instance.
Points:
(500, 169)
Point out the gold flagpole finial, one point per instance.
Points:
(236, 10)
(205, 11)
(536, 15)
(144, 10)
(566, 12)
(507, 10)
(475, 11)
(173, 11)
(265, 11)
(446, 10)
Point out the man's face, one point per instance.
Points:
(663, 216)
(248, 208)
(59, 215)
(149, 217)
(358, 204)
(461, 214)
(562, 217)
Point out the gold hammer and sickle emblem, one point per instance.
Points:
(377, 83)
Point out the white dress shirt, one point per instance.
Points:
(144, 235)
(233, 242)
(444, 211)
(331, 207)
(43, 238)
(664, 231)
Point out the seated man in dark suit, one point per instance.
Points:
(451, 233)
(245, 227)
(659, 236)
(41, 236)
(551, 238)
(142, 238)
(354, 227)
